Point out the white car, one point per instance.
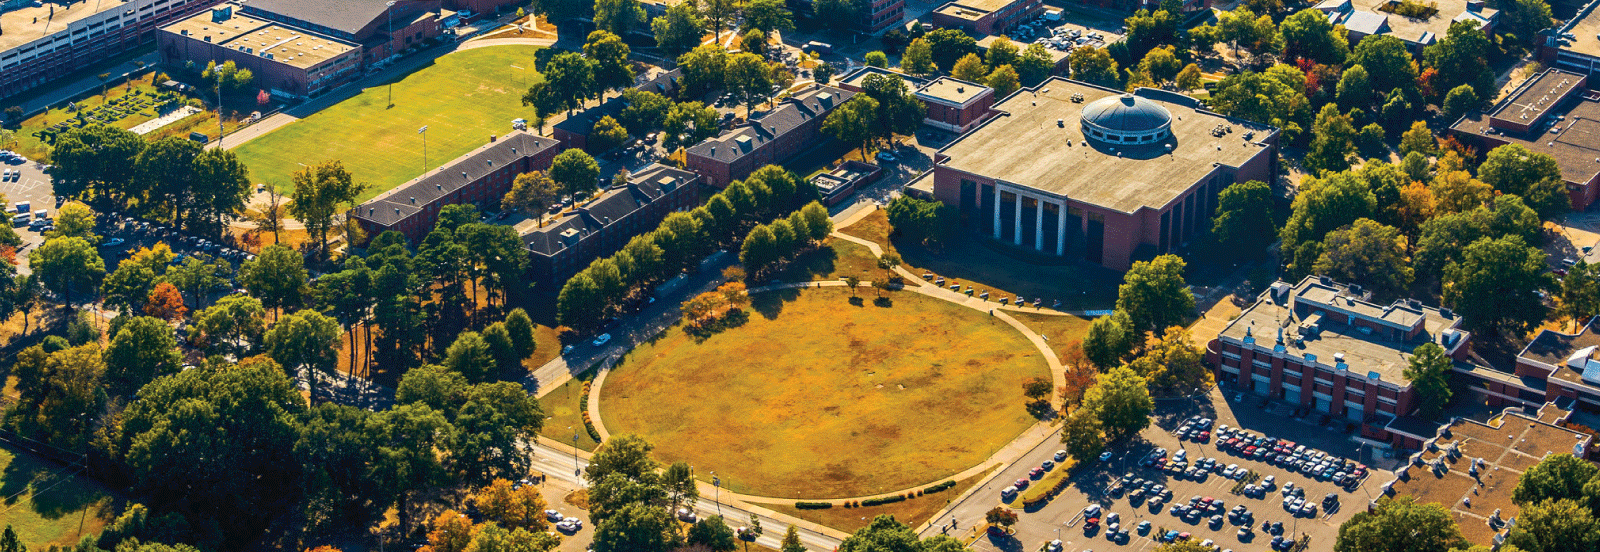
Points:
(1288, 487)
(1230, 470)
(1091, 510)
(1269, 481)
(686, 515)
(1061, 455)
(553, 515)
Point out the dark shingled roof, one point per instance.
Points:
(342, 15)
(408, 198)
(805, 106)
(581, 123)
(615, 204)
(1554, 348)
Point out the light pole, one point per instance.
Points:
(424, 132)
(219, 107)
(390, 6)
(576, 472)
(717, 494)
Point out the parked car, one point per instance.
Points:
(602, 339)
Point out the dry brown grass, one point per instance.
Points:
(833, 397)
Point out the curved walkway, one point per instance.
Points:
(1028, 440)
(518, 41)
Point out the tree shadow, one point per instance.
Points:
(770, 304)
(27, 474)
(701, 332)
(818, 262)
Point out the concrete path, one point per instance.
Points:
(514, 41)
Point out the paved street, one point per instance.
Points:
(1059, 518)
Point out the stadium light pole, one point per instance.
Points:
(424, 132)
(390, 6)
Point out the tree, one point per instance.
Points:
(854, 122)
(74, 220)
(704, 69)
(1109, 340)
(969, 68)
(199, 274)
(618, 17)
(922, 221)
(578, 304)
(767, 16)
(98, 158)
(899, 110)
(1121, 399)
(1355, 89)
(1001, 516)
(1173, 364)
(1090, 64)
(1243, 222)
(689, 123)
(520, 327)
(645, 111)
(493, 424)
(628, 455)
(470, 356)
(1189, 77)
(451, 532)
(824, 71)
(1418, 139)
(918, 58)
(753, 41)
(791, 542)
(1323, 205)
(1083, 434)
(712, 533)
(749, 77)
(233, 325)
(1268, 98)
(1459, 101)
(277, 277)
(1309, 35)
(1367, 253)
(1555, 525)
(679, 483)
(319, 192)
(1429, 372)
(59, 399)
(531, 193)
(439, 388)
(220, 189)
(1154, 294)
(141, 350)
(65, 265)
(607, 134)
(1333, 140)
(760, 250)
(1001, 52)
(719, 12)
(636, 527)
(1400, 525)
(608, 53)
(231, 428)
(680, 29)
(1512, 168)
(1461, 58)
(1004, 80)
(165, 302)
(1523, 19)
(304, 340)
(1034, 64)
(1556, 477)
(884, 534)
(1495, 285)
(1161, 64)
(839, 15)
(576, 171)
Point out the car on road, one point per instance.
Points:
(886, 157)
(553, 515)
(113, 242)
(1036, 473)
(1104, 456)
(602, 339)
(1008, 493)
(1022, 483)
(1061, 455)
(568, 349)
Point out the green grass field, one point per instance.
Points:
(820, 396)
(46, 505)
(462, 98)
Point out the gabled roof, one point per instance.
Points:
(613, 206)
(811, 104)
(406, 199)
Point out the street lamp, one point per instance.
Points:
(390, 6)
(576, 471)
(717, 484)
(424, 132)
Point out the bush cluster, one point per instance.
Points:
(879, 501)
(936, 487)
(813, 505)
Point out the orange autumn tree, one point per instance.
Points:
(166, 303)
(452, 532)
(512, 506)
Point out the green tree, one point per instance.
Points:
(1333, 140)
(1083, 434)
(689, 123)
(1309, 35)
(1265, 98)
(680, 29)
(1154, 294)
(767, 16)
(74, 219)
(618, 17)
(1189, 77)
(749, 77)
(1556, 477)
(704, 69)
(1555, 525)
(1459, 101)
(854, 122)
(1496, 283)
(1388, 63)
(1004, 80)
(1173, 364)
(493, 424)
(532, 192)
(949, 45)
(1323, 205)
(1369, 253)
(1355, 89)
(59, 395)
(98, 158)
(645, 111)
(437, 387)
(1523, 19)
(1243, 222)
(791, 542)
(1462, 57)
(607, 134)
(277, 277)
(198, 275)
(760, 250)
(520, 326)
(884, 534)
(1001, 52)
(607, 51)
(1400, 525)
(305, 340)
(969, 68)
(141, 350)
(1109, 340)
(569, 77)
(65, 265)
(918, 58)
(576, 171)
(1034, 64)
(1512, 168)
(712, 533)
(899, 110)
(233, 325)
(1121, 399)
(470, 356)
(1429, 373)
(719, 12)
(1161, 64)
(1417, 139)
(839, 15)
(319, 193)
(636, 527)
(578, 305)
(1090, 64)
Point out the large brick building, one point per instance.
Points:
(952, 104)
(1073, 169)
(1325, 345)
(481, 177)
(52, 40)
(1555, 114)
(601, 226)
(770, 138)
(984, 17)
(1575, 45)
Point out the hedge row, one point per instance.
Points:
(583, 404)
(879, 501)
(1048, 486)
(813, 505)
(939, 487)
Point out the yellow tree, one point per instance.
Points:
(512, 506)
(452, 532)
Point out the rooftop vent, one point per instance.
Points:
(413, 200)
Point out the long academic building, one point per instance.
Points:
(1072, 169)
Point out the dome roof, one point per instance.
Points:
(1126, 113)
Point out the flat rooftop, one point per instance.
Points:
(1575, 144)
(859, 76)
(30, 23)
(1425, 31)
(952, 91)
(344, 15)
(1536, 98)
(1025, 146)
(1365, 352)
(1584, 27)
(287, 45)
(1507, 446)
(972, 9)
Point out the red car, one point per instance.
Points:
(1036, 473)
(1250, 450)
(1204, 436)
(1022, 483)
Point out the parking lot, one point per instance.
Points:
(26, 183)
(1062, 517)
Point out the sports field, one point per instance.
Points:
(462, 98)
(818, 396)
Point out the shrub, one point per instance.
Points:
(936, 487)
(879, 501)
(813, 505)
(1047, 487)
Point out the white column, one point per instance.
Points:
(1016, 223)
(1061, 230)
(997, 210)
(1038, 225)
